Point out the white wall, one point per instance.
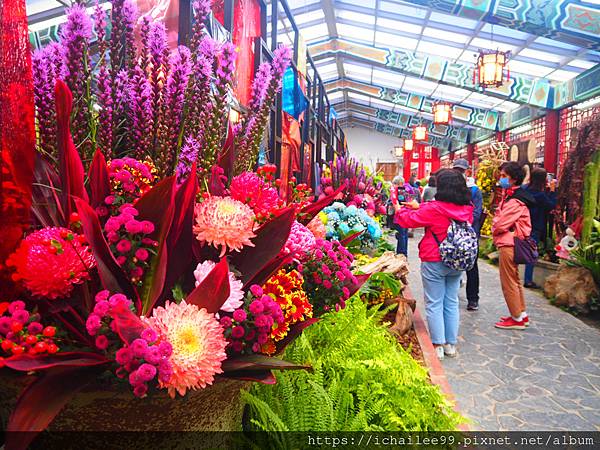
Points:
(369, 146)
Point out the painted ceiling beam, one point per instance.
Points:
(536, 92)
(569, 21)
(397, 131)
(407, 121)
(476, 117)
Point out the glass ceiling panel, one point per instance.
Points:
(38, 6)
(398, 25)
(309, 17)
(446, 35)
(293, 4)
(544, 56)
(335, 95)
(581, 64)
(315, 32)
(363, 3)
(550, 42)
(497, 30)
(395, 41)
(388, 78)
(439, 50)
(491, 45)
(454, 20)
(561, 75)
(405, 10)
(355, 33)
(528, 69)
(356, 17)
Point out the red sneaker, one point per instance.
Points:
(511, 324)
(525, 320)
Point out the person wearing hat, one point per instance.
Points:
(462, 165)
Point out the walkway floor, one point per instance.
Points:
(546, 377)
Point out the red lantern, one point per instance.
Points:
(442, 113)
(491, 70)
(420, 133)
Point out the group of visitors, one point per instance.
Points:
(450, 209)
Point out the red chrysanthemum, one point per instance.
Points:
(50, 261)
(255, 192)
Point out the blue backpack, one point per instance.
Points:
(459, 250)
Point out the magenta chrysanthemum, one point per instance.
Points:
(236, 294)
(224, 222)
(300, 239)
(252, 190)
(198, 345)
(50, 261)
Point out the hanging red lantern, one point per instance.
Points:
(442, 113)
(420, 133)
(408, 144)
(491, 69)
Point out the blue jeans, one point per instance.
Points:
(535, 235)
(402, 237)
(441, 285)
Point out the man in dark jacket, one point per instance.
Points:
(462, 165)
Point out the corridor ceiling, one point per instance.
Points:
(384, 61)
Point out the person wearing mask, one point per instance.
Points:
(462, 165)
(440, 282)
(512, 220)
(430, 190)
(544, 194)
(399, 195)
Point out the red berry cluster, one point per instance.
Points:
(21, 332)
(129, 241)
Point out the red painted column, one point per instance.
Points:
(470, 153)
(407, 161)
(551, 141)
(435, 163)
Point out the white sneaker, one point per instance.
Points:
(439, 351)
(450, 350)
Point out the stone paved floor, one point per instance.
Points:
(546, 377)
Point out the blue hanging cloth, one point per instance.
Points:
(293, 99)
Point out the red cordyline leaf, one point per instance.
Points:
(227, 153)
(158, 206)
(214, 289)
(27, 363)
(257, 376)
(112, 276)
(42, 400)
(272, 267)
(361, 279)
(295, 331)
(181, 237)
(98, 179)
(127, 325)
(268, 243)
(71, 168)
(47, 205)
(308, 212)
(350, 238)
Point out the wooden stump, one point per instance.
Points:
(404, 316)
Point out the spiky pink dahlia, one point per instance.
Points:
(236, 294)
(252, 190)
(224, 222)
(51, 261)
(198, 345)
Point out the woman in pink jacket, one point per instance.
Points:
(512, 220)
(440, 282)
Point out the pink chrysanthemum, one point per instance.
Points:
(236, 294)
(317, 227)
(225, 222)
(198, 345)
(50, 261)
(300, 239)
(252, 190)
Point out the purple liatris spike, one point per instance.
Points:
(201, 9)
(75, 36)
(43, 91)
(225, 65)
(105, 113)
(100, 26)
(190, 152)
(141, 114)
(260, 85)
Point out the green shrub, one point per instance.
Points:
(362, 380)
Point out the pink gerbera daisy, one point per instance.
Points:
(198, 345)
(224, 222)
(236, 294)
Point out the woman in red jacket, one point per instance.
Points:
(512, 220)
(440, 282)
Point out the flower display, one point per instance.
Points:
(327, 275)
(249, 328)
(364, 190)
(317, 226)
(198, 345)
(224, 222)
(130, 179)
(300, 239)
(342, 221)
(22, 333)
(51, 261)
(128, 238)
(251, 189)
(236, 294)
(286, 288)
